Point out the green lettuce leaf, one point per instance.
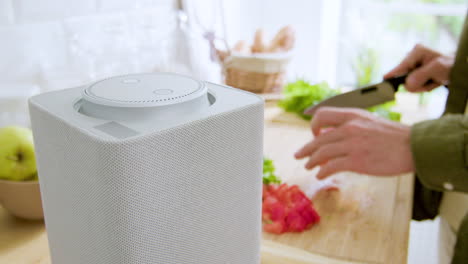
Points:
(269, 176)
(385, 110)
(299, 95)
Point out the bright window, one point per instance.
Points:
(376, 34)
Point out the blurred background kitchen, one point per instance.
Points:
(52, 44)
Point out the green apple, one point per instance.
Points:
(17, 160)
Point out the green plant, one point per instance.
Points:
(366, 65)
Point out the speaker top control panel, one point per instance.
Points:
(134, 105)
(144, 90)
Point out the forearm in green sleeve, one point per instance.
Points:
(440, 153)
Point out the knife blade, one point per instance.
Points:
(363, 97)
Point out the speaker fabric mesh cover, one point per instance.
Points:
(188, 194)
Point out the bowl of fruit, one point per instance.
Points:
(19, 186)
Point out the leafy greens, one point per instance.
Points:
(299, 95)
(269, 176)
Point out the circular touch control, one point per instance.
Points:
(144, 90)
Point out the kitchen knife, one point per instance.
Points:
(363, 97)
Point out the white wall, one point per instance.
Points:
(57, 44)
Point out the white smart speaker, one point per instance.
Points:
(150, 168)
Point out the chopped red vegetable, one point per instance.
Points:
(287, 209)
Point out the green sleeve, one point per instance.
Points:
(440, 152)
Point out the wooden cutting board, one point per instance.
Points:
(367, 221)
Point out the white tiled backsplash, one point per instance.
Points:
(58, 44)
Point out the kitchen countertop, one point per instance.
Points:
(25, 242)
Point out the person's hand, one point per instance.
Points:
(349, 139)
(424, 64)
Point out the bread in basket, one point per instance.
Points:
(260, 68)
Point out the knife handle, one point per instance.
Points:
(397, 81)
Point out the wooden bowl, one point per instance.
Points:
(22, 199)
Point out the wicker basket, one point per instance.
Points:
(257, 73)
